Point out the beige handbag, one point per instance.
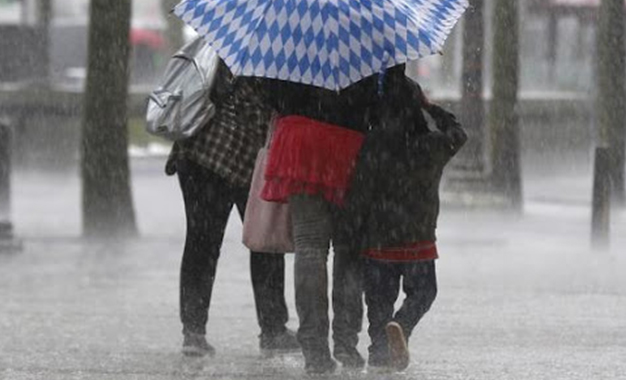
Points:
(266, 225)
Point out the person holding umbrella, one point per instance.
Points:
(319, 59)
(311, 159)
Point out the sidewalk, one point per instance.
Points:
(520, 297)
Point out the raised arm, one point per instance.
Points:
(452, 134)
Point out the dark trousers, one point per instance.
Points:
(382, 287)
(209, 200)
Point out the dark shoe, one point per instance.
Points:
(283, 342)
(325, 367)
(196, 345)
(349, 357)
(379, 359)
(398, 350)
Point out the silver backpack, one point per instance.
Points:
(181, 105)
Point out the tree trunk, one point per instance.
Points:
(174, 34)
(472, 106)
(553, 43)
(107, 200)
(448, 64)
(503, 118)
(44, 14)
(7, 241)
(5, 177)
(611, 74)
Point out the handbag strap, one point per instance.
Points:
(270, 130)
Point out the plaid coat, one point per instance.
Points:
(229, 143)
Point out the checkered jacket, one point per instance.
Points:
(229, 143)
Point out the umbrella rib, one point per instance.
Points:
(245, 53)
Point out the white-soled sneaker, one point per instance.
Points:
(398, 349)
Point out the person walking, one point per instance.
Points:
(395, 205)
(214, 169)
(311, 158)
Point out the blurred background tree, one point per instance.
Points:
(174, 29)
(45, 17)
(506, 173)
(106, 195)
(472, 113)
(611, 100)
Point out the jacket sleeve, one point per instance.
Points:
(450, 137)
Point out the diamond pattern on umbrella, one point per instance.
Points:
(325, 43)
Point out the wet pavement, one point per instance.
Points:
(520, 296)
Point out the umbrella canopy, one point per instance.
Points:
(325, 43)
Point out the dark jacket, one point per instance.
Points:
(394, 198)
(349, 108)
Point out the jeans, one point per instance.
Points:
(208, 201)
(315, 223)
(382, 287)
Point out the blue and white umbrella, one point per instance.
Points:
(325, 43)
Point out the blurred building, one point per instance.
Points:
(67, 50)
(35, 51)
(557, 43)
(557, 48)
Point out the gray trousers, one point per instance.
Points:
(317, 222)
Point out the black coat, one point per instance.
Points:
(349, 108)
(394, 197)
